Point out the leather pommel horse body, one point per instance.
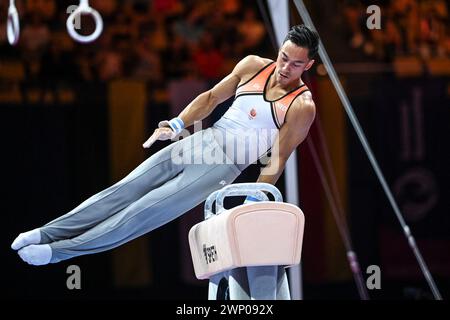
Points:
(249, 245)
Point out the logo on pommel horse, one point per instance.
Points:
(210, 254)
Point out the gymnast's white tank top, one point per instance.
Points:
(254, 120)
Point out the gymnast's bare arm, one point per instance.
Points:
(299, 119)
(205, 103)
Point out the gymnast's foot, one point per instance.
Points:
(26, 238)
(36, 255)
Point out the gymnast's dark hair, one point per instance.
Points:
(304, 37)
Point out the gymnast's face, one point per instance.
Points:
(292, 61)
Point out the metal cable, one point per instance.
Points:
(354, 120)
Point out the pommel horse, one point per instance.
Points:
(244, 251)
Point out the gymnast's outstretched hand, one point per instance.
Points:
(162, 134)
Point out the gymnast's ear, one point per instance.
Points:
(310, 64)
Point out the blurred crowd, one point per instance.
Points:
(408, 28)
(153, 40)
(161, 40)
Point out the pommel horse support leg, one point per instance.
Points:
(249, 245)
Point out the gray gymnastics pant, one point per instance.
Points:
(156, 192)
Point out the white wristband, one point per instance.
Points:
(176, 124)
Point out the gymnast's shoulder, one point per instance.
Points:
(251, 64)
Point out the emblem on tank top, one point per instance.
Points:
(252, 114)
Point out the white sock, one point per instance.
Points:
(27, 238)
(36, 255)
